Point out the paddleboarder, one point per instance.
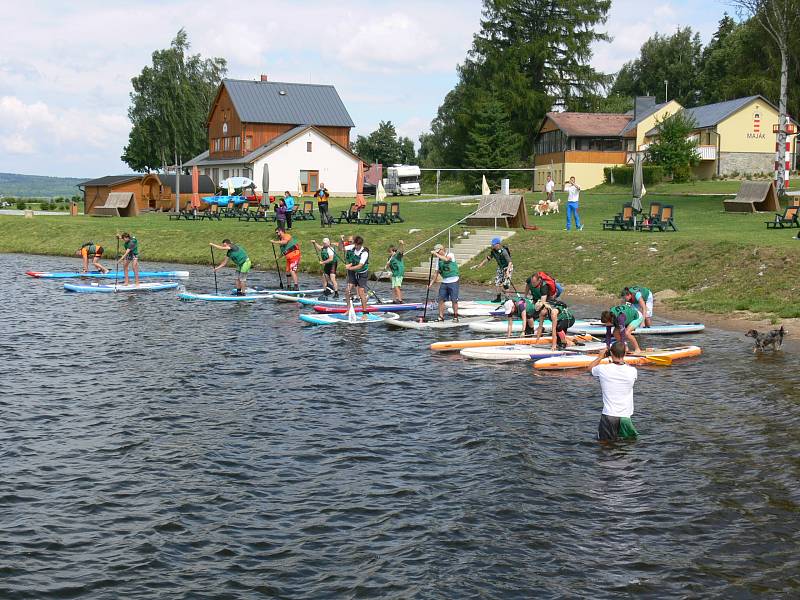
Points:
(641, 298)
(130, 256)
(397, 267)
(96, 252)
(520, 308)
(290, 248)
(447, 270)
(616, 382)
(561, 319)
(505, 267)
(357, 265)
(329, 262)
(239, 258)
(623, 319)
(543, 285)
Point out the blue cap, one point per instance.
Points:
(496, 241)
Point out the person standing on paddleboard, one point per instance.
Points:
(357, 264)
(561, 319)
(130, 256)
(520, 308)
(96, 251)
(447, 269)
(642, 298)
(290, 248)
(616, 382)
(623, 319)
(505, 267)
(329, 262)
(397, 267)
(239, 258)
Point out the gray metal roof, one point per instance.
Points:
(110, 180)
(639, 118)
(712, 114)
(287, 103)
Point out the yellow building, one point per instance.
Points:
(733, 136)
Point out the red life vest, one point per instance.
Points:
(550, 282)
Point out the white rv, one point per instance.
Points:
(402, 180)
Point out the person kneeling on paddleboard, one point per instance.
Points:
(239, 258)
(96, 251)
(641, 298)
(520, 308)
(397, 267)
(505, 267)
(616, 382)
(623, 319)
(561, 319)
(541, 285)
(130, 256)
(329, 262)
(290, 248)
(357, 265)
(447, 269)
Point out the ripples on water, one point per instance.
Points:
(152, 448)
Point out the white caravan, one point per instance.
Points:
(402, 180)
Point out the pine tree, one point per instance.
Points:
(492, 144)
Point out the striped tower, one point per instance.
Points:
(786, 167)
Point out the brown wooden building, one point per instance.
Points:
(96, 191)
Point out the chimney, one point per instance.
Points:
(641, 105)
(263, 77)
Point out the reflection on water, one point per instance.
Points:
(155, 448)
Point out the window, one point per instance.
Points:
(216, 144)
(246, 173)
(236, 141)
(215, 175)
(551, 141)
(225, 173)
(227, 144)
(248, 142)
(308, 146)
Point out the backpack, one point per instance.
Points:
(550, 282)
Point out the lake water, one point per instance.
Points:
(152, 448)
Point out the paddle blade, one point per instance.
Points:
(351, 313)
(664, 361)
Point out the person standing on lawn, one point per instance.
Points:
(616, 382)
(397, 267)
(280, 214)
(239, 257)
(640, 297)
(573, 200)
(289, 201)
(323, 196)
(447, 269)
(290, 248)
(505, 267)
(550, 189)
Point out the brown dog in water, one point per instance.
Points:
(774, 338)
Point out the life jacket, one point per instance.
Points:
(549, 282)
(631, 314)
(355, 258)
(291, 246)
(328, 253)
(448, 268)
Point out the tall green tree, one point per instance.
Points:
(672, 147)
(675, 59)
(532, 55)
(384, 146)
(169, 106)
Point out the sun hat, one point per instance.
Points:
(508, 307)
(495, 241)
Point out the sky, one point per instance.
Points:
(65, 68)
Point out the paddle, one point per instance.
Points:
(214, 270)
(277, 267)
(664, 361)
(424, 316)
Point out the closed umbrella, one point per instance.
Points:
(231, 188)
(299, 187)
(638, 183)
(265, 186)
(195, 187)
(380, 192)
(360, 202)
(485, 187)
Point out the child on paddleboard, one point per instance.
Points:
(616, 382)
(238, 256)
(130, 256)
(397, 267)
(96, 251)
(329, 262)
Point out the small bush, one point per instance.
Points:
(651, 174)
(21, 205)
(681, 173)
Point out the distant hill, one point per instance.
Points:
(38, 186)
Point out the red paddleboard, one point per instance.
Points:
(333, 310)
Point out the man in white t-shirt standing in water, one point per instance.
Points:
(616, 382)
(573, 199)
(448, 271)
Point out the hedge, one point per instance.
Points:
(624, 175)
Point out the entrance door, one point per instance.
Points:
(309, 181)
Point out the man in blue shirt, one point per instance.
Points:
(289, 200)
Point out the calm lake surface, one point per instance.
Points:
(152, 448)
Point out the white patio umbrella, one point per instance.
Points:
(380, 192)
(265, 186)
(485, 187)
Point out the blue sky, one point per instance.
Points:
(65, 70)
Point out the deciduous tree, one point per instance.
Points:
(672, 148)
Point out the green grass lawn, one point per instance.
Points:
(716, 262)
(708, 186)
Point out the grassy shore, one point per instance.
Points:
(716, 262)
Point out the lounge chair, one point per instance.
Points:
(212, 213)
(624, 220)
(664, 221)
(376, 216)
(394, 213)
(348, 216)
(306, 214)
(789, 218)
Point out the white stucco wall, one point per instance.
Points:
(337, 169)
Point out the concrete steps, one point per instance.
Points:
(465, 249)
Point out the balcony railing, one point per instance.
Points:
(707, 152)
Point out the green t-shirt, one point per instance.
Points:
(448, 268)
(237, 255)
(132, 245)
(396, 265)
(631, 314)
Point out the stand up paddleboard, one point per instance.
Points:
(221, 297)
(523, 352)
(588, 327)
(449, 324)
(109, 275)
(95, 288)
(331, 310)
(655, 357)
(452, 346)
(344, 319)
